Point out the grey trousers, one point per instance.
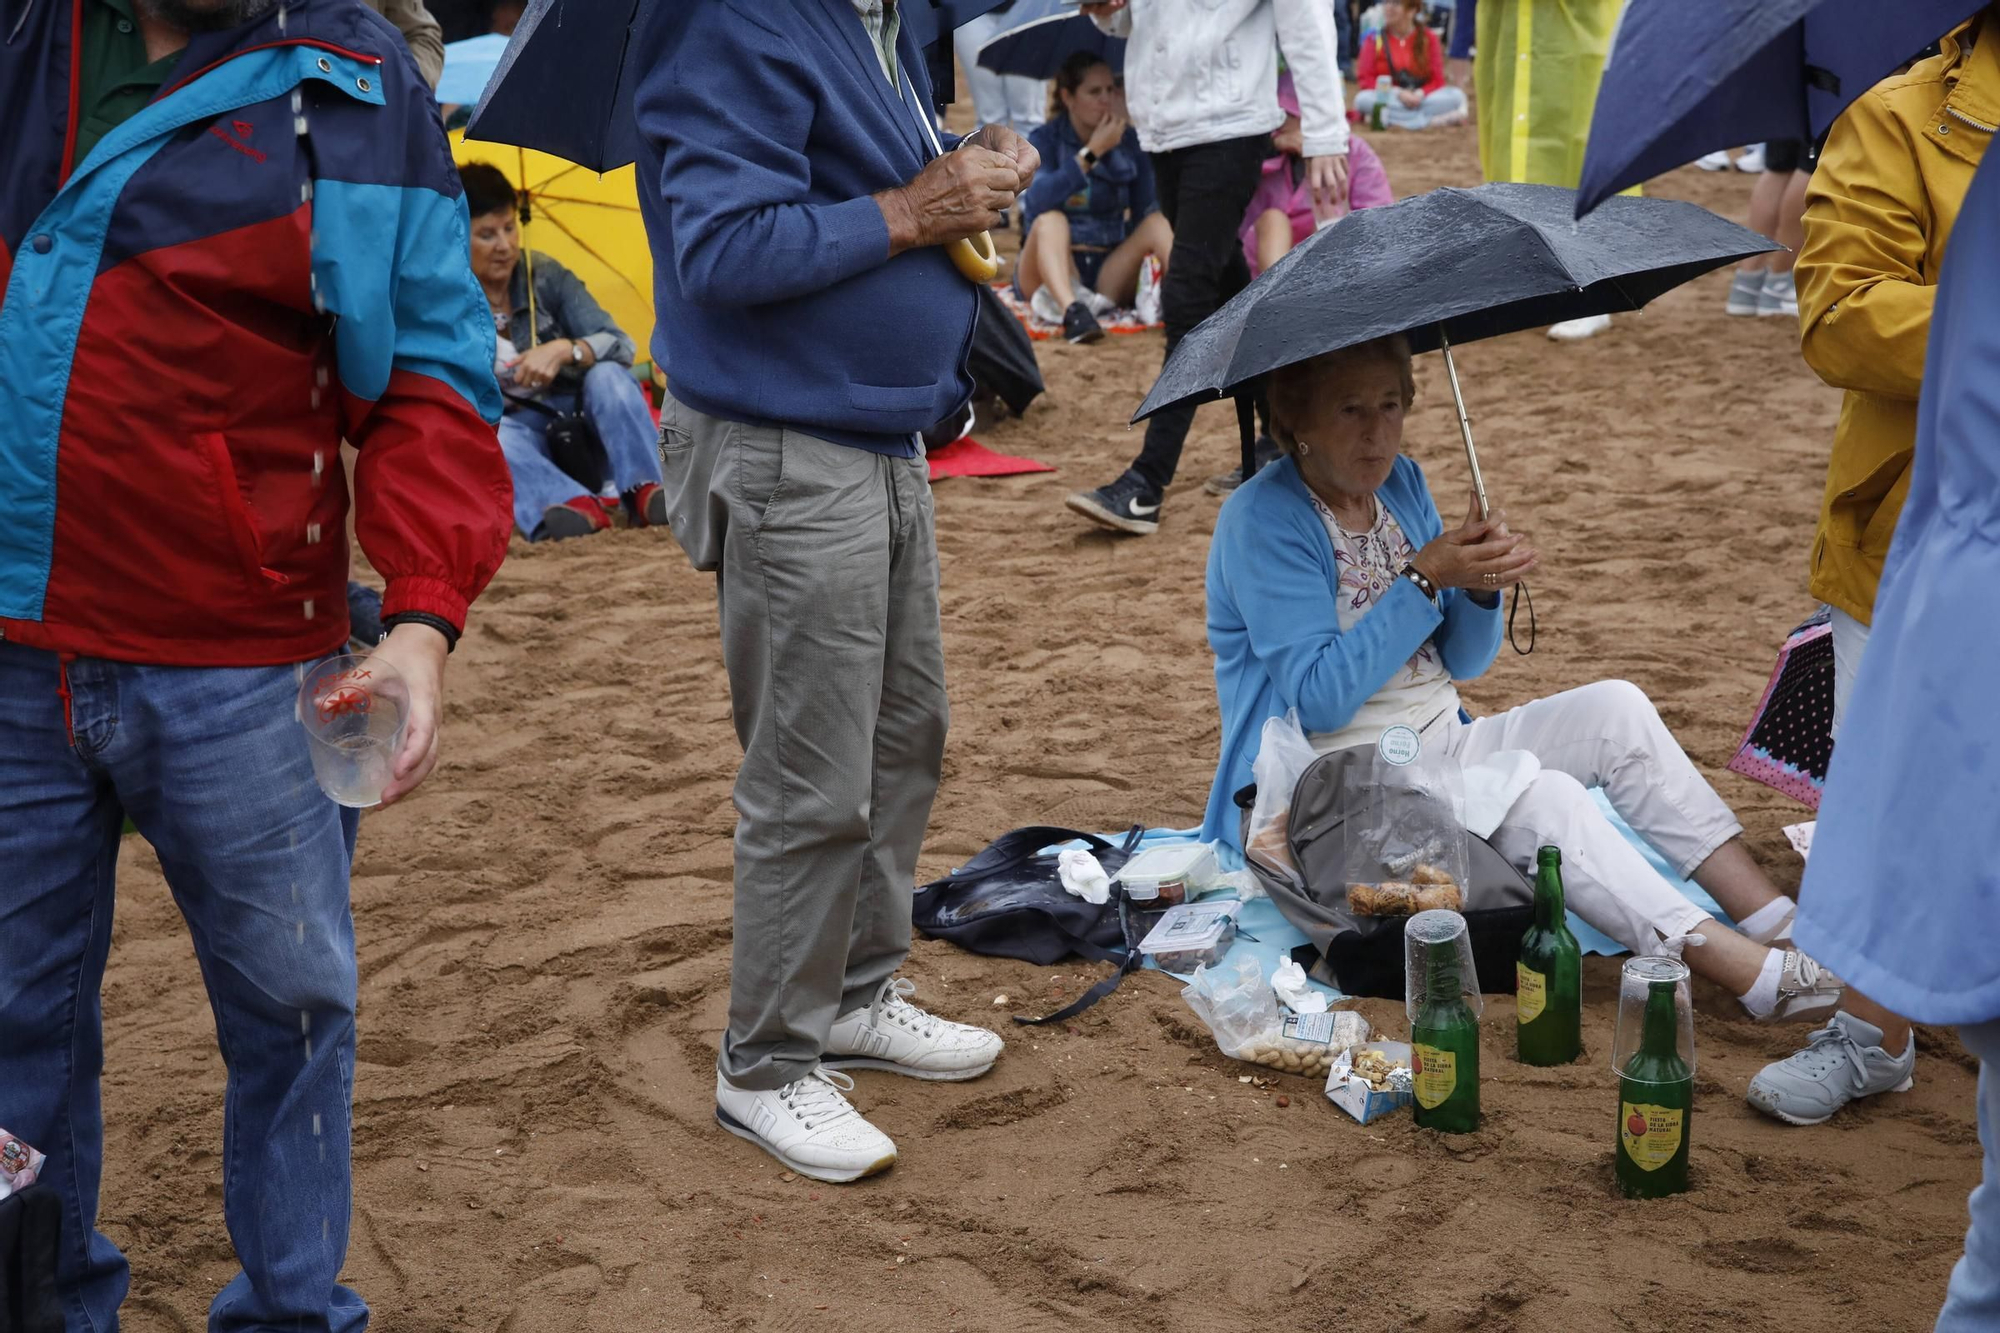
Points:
(827, 582)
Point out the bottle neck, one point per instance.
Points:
(1444, 987)
(1660, 1035)
(1549, 907)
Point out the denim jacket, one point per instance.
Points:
(1103, 207)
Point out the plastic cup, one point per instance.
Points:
(355, 711)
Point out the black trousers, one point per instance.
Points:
(1204, 192)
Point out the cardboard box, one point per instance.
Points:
(1354, 1096)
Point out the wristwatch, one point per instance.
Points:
(576, 352)
(1089, 159)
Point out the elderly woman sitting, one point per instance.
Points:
(1333, 589)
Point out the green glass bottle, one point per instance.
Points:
(1445, 1061)
(1548, 1008)
(1655, 1105)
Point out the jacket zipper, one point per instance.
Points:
(1956, 114)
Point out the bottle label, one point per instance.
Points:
(1531, 993)
(1435, 1075)
(1650, 1135)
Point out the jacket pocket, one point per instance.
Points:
(891, 398)
(235, 510)
(1857, 515)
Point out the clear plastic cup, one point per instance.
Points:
(354, 710)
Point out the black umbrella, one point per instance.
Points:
(1448, 267)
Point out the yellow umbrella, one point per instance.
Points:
(587, 222)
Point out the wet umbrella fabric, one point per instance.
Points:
(1452, 264)
(1789, 742)
(566, 82)
(1686, 79)
(1041, 34)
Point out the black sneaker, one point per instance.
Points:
(1079, 325)
(1129, 504)
(1227, 482)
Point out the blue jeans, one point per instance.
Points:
(616, 405)
(211, 766)
(1972, 1304)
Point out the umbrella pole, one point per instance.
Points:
(1464, 422)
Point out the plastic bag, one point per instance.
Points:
(1283, 756)
(1239, 1007)
(1403, 849)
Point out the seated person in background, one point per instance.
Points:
(1410, 56)
(1281, 213)
(570, 357)
(1334, 590)
(1089, 218)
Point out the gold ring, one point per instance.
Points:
(1491, 578)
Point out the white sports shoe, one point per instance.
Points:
(1841, 1061)
(1043, 304)
(1806, 989)
(1752, 160)
(808, 1125)
(1576, 330)
(1715, 161)
(895, 1036)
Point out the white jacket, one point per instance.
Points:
(1202, 71)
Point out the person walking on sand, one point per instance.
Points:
(203, 295)
(811, 326)
(1201, 79)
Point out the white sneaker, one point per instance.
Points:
(1752, 161)
(1841, 1061)
(1576, 330)
(895, 1036)
(808, 1125)
(1043, 304)
(1806, 989)
(1715, 161)
(1780, 296)
(1746, 292)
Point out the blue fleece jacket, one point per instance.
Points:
(1103, 207)
(1274, 621)
(765, 128)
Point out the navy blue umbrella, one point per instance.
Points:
(566, 82)
(1041, 34)
(1686, 79)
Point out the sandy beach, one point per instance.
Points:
(544, 938)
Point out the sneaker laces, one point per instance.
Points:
(820, 1094)
(893, 1004)
(1824, 1049)
(1806, 975)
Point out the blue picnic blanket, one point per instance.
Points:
(1263, 933)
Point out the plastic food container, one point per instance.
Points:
(1171, 874)
(1192, 935)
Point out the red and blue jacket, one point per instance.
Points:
(269, 258)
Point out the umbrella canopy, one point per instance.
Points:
(587, 222)
(1456, 264)
(1686, 79)
(1790, 740)
(468, 67)
(566, 82)
(1041, 34)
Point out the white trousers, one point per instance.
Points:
(1604, 735)
(1850, 636)
(1013, 100)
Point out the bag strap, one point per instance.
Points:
(535, 403)
(1127, 965)
(1023, 844)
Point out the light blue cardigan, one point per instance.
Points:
(1274, 623)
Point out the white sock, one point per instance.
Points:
(1763, 923)
(1762, 997)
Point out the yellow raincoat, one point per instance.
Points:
(1536, 77)
(1895, 168)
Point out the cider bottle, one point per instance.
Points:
(1655, 1105)
(1444, 1037)
(1548, 1009)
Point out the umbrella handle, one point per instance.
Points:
(1464, 423)
(976, 257)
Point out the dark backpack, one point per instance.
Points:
(1009, 902)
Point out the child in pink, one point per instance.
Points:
(1283, 191)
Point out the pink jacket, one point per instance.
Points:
(1367, 187)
